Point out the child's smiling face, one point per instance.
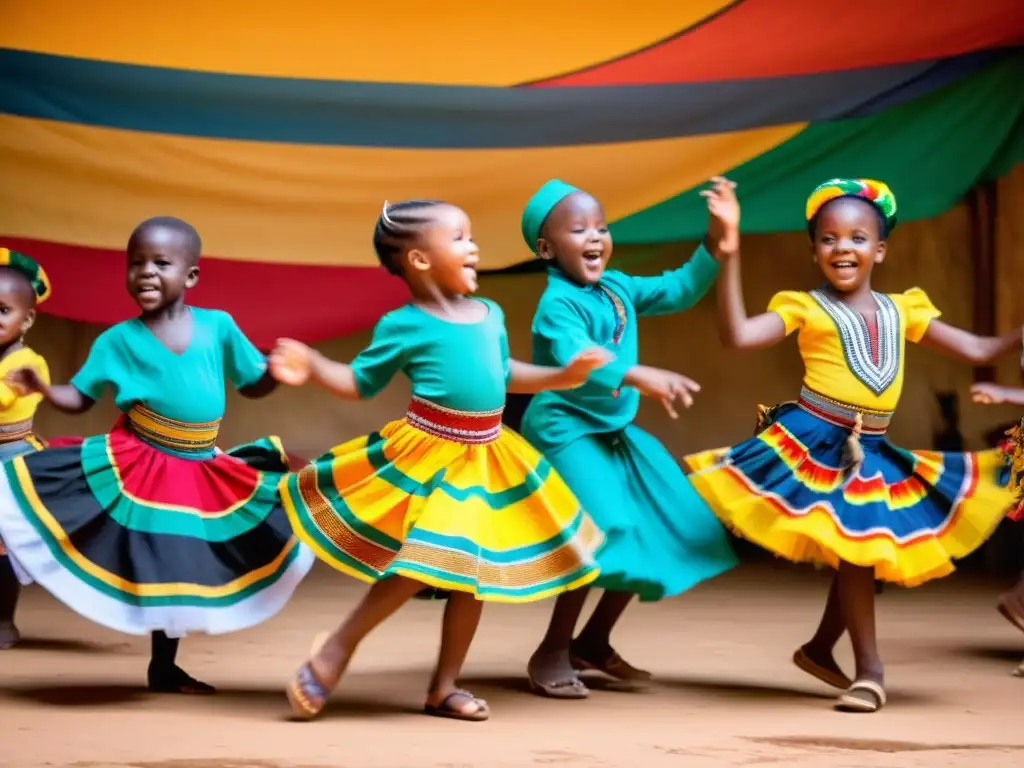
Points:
(575, 236)
(849, 239)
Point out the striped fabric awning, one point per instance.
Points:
(279, 129)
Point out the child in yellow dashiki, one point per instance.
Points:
(445, 497)
(23, 285)
(661, 537)
(1011, 604)
(820, 482)
(149, 529)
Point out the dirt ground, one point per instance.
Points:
(727, 694)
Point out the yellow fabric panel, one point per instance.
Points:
(304, 204)
(445, 42)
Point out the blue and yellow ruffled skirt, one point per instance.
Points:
(133, 533)
(908, 514)
(451, 499)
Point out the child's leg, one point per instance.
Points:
(816, 656)
(593, 648)
(10, 589)
(165, 676)
(857, 602)
(1011, 605)
(309, 689)
(461, 618)
(550, 668)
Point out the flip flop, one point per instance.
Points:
(806, 664)
(307, 696)
(613, 665)
(445, 708)
(563, 689)
(862, 696)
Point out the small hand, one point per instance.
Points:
(579, 368)
(988, 394)
(666, 386)
(25, 381)
(290, 362)
(724, 208)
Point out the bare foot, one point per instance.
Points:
(9, 635)
(552, 675)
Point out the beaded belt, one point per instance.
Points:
(11, 433)
(844, 415)
(177, 435)
(458, 426)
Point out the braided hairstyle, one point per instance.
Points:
(195, 243)
(397, 227)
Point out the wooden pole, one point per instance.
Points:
(981, 207)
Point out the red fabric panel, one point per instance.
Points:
(268, 301)
(776, 38)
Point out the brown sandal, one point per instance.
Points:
(446, 708)
(806, 664)
(613, 665)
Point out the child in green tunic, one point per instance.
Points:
(661, 537)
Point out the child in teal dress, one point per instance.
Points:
(446, 497)
(150, 529)
(661, 537)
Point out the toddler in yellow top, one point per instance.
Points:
(23, 285)
(820, 482)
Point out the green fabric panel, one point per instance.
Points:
(929, 151)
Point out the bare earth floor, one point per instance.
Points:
(726, 693)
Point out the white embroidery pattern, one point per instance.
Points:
(856, 341)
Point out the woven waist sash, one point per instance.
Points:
(470, 427)
(843, 414)
(180, 436)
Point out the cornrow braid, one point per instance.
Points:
(397, 225)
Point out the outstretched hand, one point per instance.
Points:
(25, 381)
(668, 387)
(988, 394)
(580, 367)
(724, 209)
(291, 362)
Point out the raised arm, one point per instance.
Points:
(735, 329)
(674, 291)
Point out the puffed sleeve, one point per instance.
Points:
(244, 365)
(96, 373)
(792, 307)
(8, 397)
(376, 365)
(919, 311)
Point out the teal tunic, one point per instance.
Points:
(139, 368)
(424, 346)
(662, 538)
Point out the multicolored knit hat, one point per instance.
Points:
(875, 192)
(29, 268)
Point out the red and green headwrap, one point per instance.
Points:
(37, 278)
(875, 192)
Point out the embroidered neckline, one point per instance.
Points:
(855, 338)
(620, 312)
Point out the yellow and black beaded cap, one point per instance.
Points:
(29, 268)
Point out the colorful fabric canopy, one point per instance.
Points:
(280, 129)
